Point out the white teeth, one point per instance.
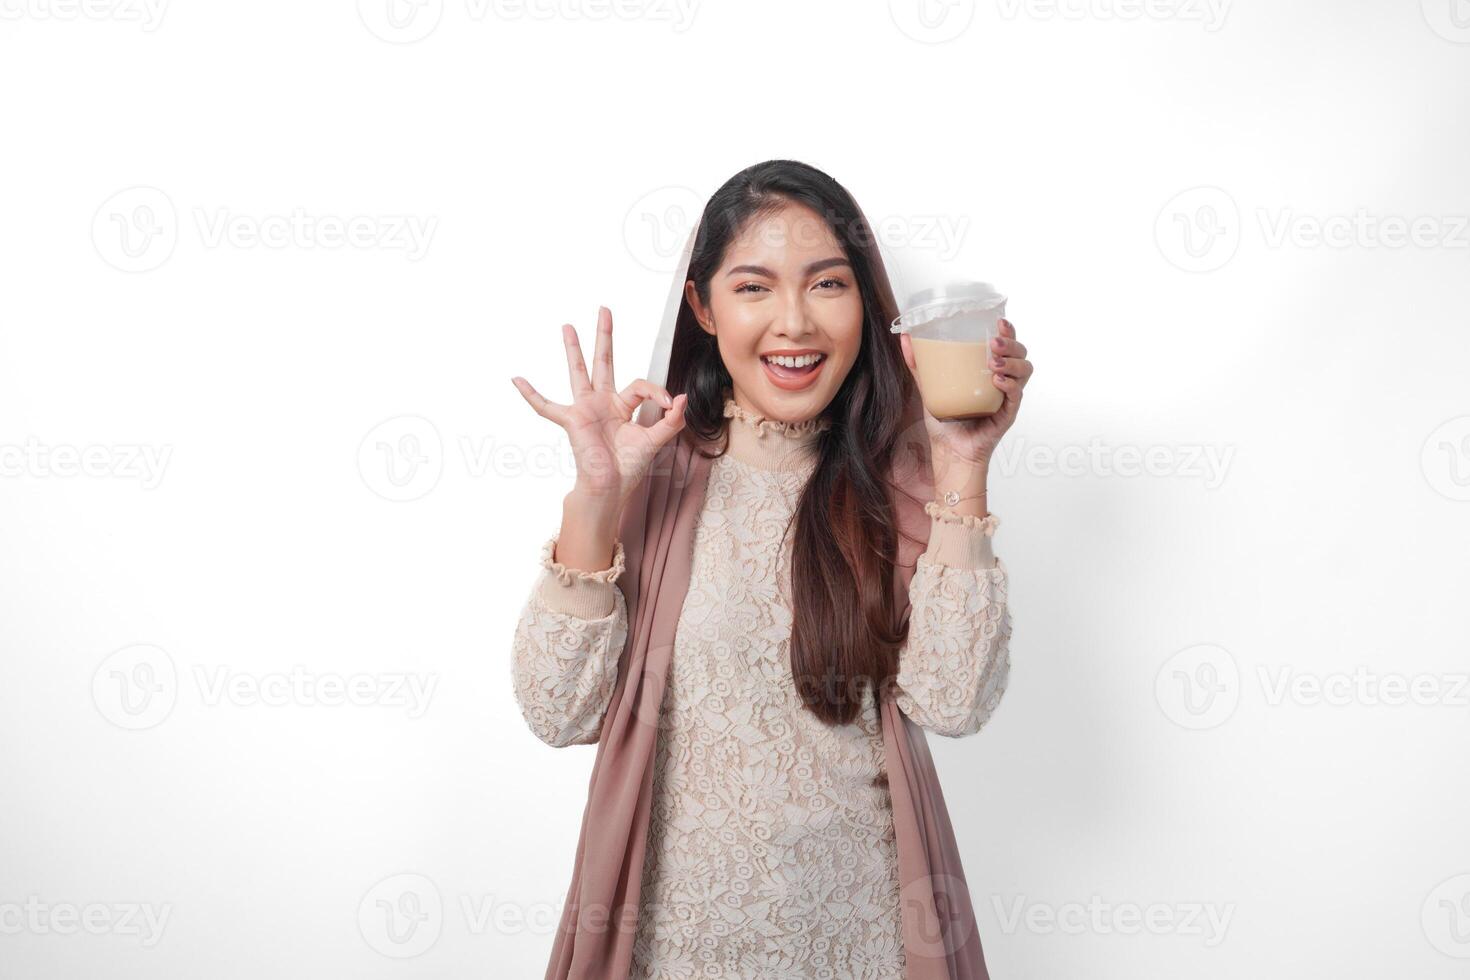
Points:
(804, 360)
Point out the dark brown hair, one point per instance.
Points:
(845, 635)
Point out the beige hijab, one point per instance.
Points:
(600, 919)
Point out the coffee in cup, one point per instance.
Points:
(950, 328)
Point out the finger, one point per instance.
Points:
(642, 390)
(1006, 415)
(907, 347)
(1007, 347)
(576, 367)
(602, 352)
(1014, 367)
(1010, 387)
(667, 427)
(1007, 328)
(546, 409)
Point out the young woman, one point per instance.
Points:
(737, 611)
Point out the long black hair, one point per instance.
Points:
(845, 636)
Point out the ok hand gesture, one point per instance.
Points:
(613, 453)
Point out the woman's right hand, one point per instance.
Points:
(613, 452)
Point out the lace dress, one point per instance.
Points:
(771, 850)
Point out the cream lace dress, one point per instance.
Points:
(771, 851)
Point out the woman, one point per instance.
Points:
(764, 531)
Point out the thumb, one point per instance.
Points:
(671, 423)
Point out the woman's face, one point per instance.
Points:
(784, 288)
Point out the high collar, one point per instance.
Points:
(771, 444)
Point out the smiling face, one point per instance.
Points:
(787, 313)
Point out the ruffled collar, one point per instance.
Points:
(768, 443)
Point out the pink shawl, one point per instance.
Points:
(600, 919)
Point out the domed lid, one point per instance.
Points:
(948, 299)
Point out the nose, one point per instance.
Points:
(794, 321)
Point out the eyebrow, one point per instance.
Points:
(811, 268)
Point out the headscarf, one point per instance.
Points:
(599, 921)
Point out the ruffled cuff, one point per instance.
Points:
(574, 592)
(960, 540)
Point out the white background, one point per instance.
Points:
(1145, 761)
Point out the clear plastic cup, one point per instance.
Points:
(950, 327)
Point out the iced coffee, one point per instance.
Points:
(950, 328)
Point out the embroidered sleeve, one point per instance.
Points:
(953, 669)
(568, 642)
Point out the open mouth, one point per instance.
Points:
(794, 369)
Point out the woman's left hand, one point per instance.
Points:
(974, 440)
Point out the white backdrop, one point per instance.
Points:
(270, 504)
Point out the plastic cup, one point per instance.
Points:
(950, 327)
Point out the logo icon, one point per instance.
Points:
(400, 21)
(932, 21)
(1198, 687)
(940, 904)
(658, 224)
(136, 229)
(1445, 459)
(1450, 19)
(401, 459)
(136, 687)
(401, 916)
(1199, 229)
(1446, 917)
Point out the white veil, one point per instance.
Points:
(663, 345)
